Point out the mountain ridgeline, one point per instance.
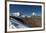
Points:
(33, 21)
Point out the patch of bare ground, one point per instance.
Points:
(33, 21)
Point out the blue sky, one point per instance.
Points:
(26, 9)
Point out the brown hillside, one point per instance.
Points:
(32, 21)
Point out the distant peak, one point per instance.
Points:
(33, 13)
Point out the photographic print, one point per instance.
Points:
(22, 16)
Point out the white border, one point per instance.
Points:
(24, 28)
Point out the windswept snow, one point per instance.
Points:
(16, 24)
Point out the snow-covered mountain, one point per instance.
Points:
(15, 14)
(33, 14)
(16, 24)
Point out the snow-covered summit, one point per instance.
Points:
(33, 14)
(15, 14)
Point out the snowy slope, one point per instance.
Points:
(16, 24)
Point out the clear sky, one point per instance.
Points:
(26, 9)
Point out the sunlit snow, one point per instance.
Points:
(16, 24)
